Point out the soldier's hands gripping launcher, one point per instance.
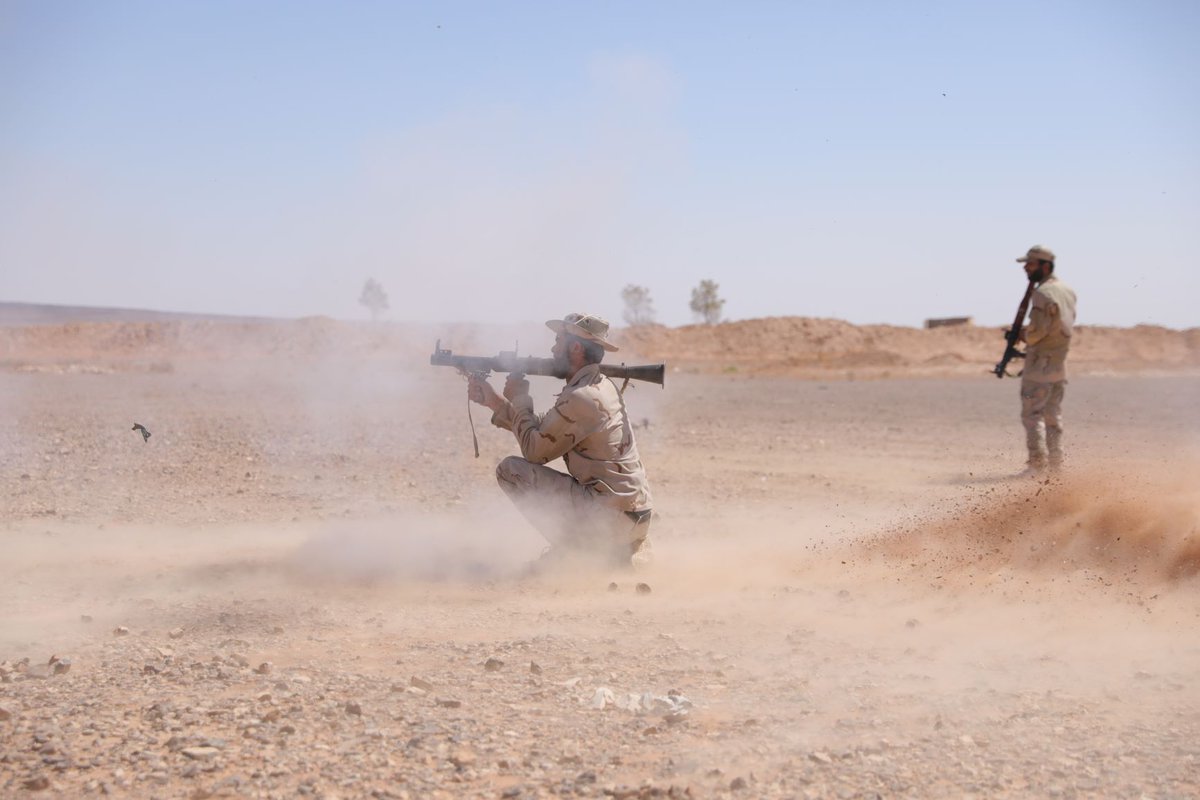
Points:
(482, 366)
(1013, 335)
(528, 365)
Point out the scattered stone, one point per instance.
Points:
(85, 617)
(612, 587)
(738, 784)
(353, 709)
(120, 630)
(493, 665)
(420, 683)
(534, 668)
(912, 622)
(5, 714)
(37, 783)
(821, 757)
(629, 702)
(673, 707)
(202, 753)
(448, 703)
(264, 668)
(175, 633)
(603, 697)
(643, 588)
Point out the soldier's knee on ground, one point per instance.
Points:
(510, 472)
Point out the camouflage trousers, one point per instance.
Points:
(1041, 414)
(570, 515)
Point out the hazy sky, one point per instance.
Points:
(497, 161)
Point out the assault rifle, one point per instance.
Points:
(1013, 335)
(528, 365)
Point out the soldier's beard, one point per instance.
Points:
(562, 363)
(1040, 274)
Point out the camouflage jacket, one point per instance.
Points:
(1051, 324)
(590, 429)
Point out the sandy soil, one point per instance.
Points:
(304, 584)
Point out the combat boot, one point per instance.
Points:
(642, 553)
(1035, 466)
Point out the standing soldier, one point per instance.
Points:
(1048, 338)
(602, 506)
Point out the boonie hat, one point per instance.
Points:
(1037, 253)
(585, 326)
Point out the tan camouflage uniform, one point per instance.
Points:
(1044, 380)
(604, 503)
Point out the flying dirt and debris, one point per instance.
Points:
(309, 587)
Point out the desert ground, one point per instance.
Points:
(304, 583)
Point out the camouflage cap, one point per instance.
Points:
(585, 326)
(1037, 253)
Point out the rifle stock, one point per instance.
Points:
(1013, 335)
(529, 365)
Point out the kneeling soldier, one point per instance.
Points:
(602, 506)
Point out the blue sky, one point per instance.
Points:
(876, 162)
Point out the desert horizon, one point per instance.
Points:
(123, 339)
(23, 313)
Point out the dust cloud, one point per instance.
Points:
(1135, 529)
(486, 543)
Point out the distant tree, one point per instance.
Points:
(706, 303)
(374, 298)
(639, 308)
